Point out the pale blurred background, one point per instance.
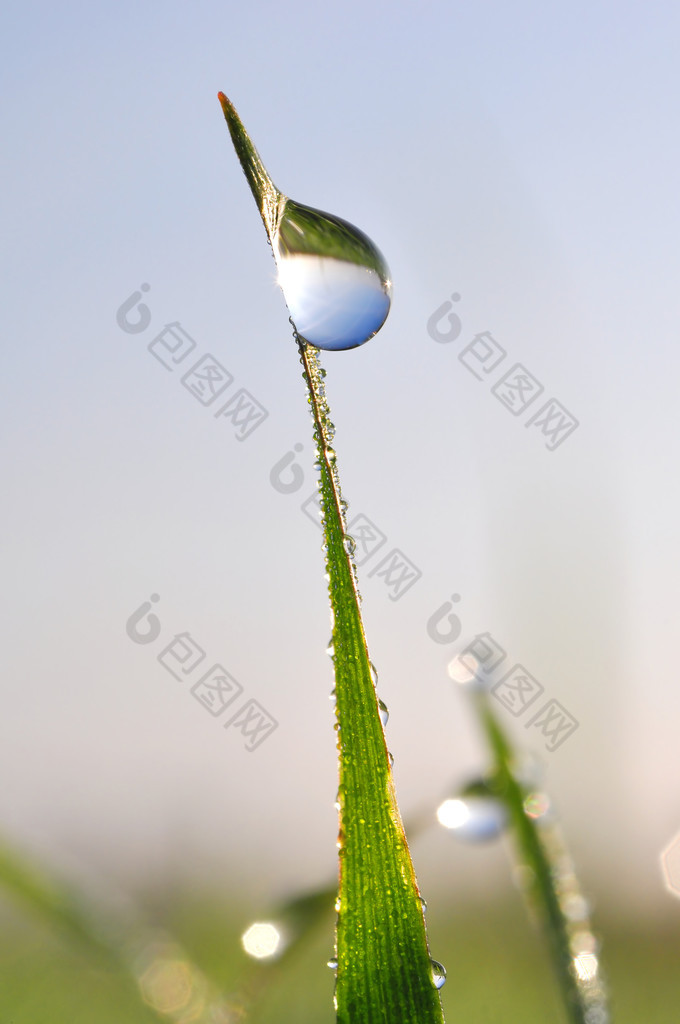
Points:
(523, 156)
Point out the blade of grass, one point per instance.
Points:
(143, 959)
(298, 920)
(551, 883)
(58, 906)
(384, 971)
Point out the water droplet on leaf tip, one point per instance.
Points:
(334, 278)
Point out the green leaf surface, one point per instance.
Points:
(384, 971)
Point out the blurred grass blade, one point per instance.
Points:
(56, 904)
(384, 972)
(146, 960)
(551, 883)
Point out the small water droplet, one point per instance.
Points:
(384, 713)
(423, 904)
(465, 670)
(475, 819)
(350, 545)
(537, 806)
(390, 758)
(575, 907)
(597, 1015)
(438, 973)
(332, 695)
(333, 963)
(585, 966)
(583, 942)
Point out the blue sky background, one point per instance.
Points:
(524, 156)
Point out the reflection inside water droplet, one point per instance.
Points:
(384, 713)
(475, 819)
(334, 305)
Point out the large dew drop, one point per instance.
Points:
(334, 278)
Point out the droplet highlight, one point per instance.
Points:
(474, 819)
(262, 940)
